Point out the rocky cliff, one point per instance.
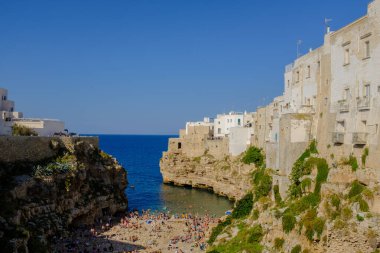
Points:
(226, 177)
(41, 198)
(329, 208)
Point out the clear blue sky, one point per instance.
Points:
(147, 67)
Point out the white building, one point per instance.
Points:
(43, 127)
(7, 108)
(224, 122)
(301, 83)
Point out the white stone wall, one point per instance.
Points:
(43, 127)
(239, 140)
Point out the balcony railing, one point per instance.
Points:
(343, 106)
(363, 103)
(359, 138)
(338, 138)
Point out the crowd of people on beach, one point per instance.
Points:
(140, 232)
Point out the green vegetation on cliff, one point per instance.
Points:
(302, 167)
(262, 182)
(243, 207)
(247, 240)
(60, 165)
(364, 156)
(254, 155)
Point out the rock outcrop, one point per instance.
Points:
(226, 177)
(76, 184)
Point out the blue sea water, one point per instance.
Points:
(140, 156)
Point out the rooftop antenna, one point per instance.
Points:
(299, 42)
(327, 25)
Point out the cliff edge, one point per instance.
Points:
(225, 177)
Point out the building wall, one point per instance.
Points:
(224, 122)
(218, 148)
(239, 140)
(175, 145)
(301, 81)
(357, 112)
(290, 150)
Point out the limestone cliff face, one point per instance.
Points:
(343, 217)
(39, 199)
(226, 177)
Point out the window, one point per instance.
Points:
(308, 71)
(4, 97)
(179, 145)
(219, 130)
(367, 49)
(297, 76)
(341, 126)
(346, 94)
(346, 56)
(288, 83)
(367, 91)
(239, 122)
(378, 88)
(11, 109)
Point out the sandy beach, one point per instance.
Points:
(141, 233)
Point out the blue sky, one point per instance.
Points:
(147, 67)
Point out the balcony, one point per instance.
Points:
(338, 138)
(359, 138)
(343, 106)
(306, 108)
(363, 103)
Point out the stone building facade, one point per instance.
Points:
(331, 94)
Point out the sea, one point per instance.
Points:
(140, 156)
